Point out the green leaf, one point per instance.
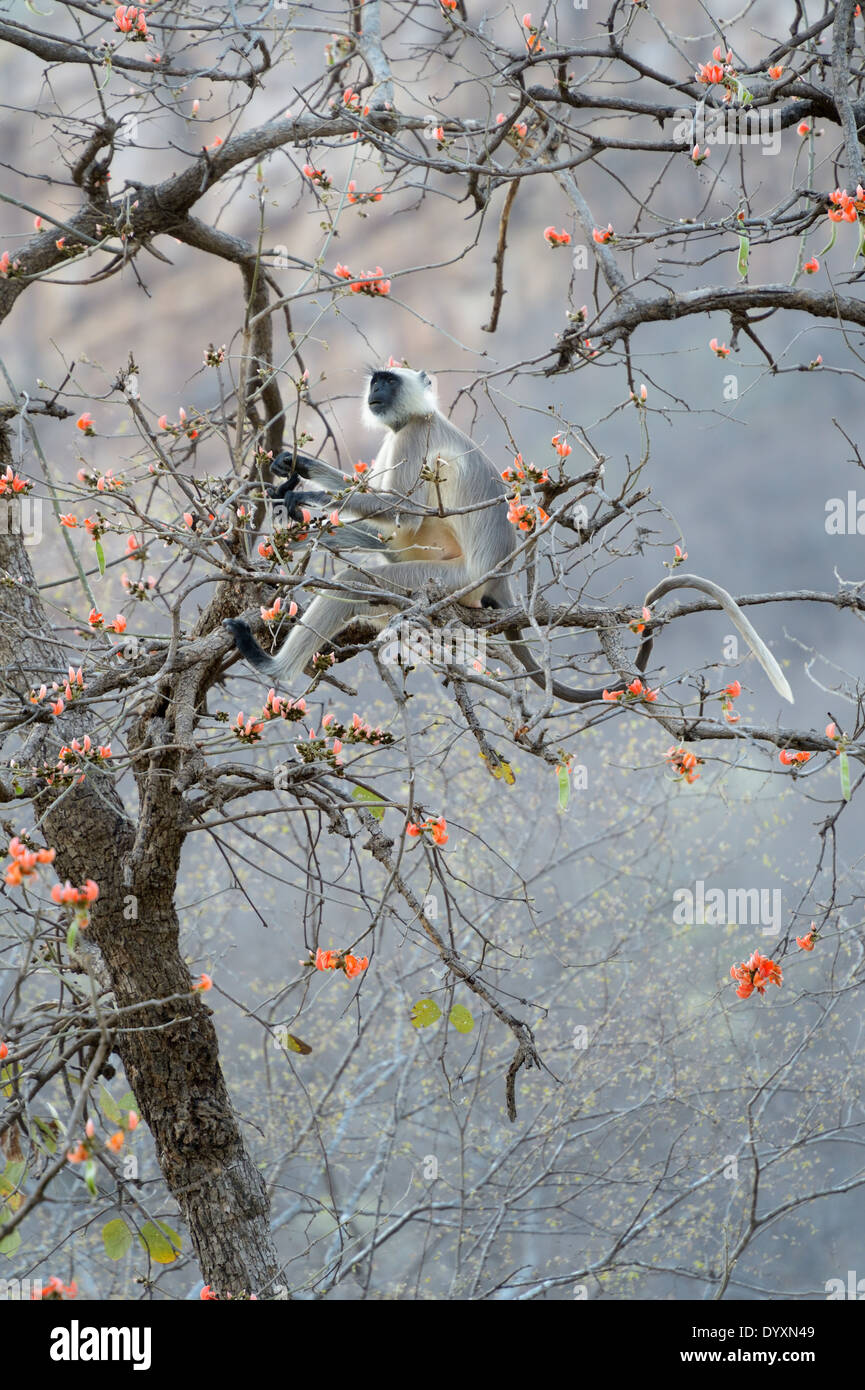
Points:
(12, 1174)
(109, 1107)
(425, 1012)
(90, 1178)
(844, 763)
(461, 1019)
(564, 788)
(100, 558)
(373, 803)
(156, 1244)
(128, 1102)
(9, 1244)
(47, 1137)
(117, 1238)
(742, 263)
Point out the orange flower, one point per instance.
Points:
(325, 960)
(4, 1051)
(710, 73)
(115, 1143)
(555, 238)
(203, 984)
(130, 20)
(719, 349)
(354, 966)
(85, 423)
(775, 73)
(756, 974)
(811, 267)
(602, 236)
(803, 129)
(439, 831)
(806, 942)
(734, 690)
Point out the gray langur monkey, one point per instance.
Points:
(436, 510)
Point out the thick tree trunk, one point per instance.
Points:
(169, 1051)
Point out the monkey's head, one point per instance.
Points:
(397, 395)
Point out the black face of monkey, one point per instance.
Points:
(383, 390)
(395, 397)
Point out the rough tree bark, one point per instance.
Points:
(169, 1051)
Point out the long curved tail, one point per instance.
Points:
(575, 696)
(737, 618)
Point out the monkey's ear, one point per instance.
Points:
(425, 378)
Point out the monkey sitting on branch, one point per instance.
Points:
(436, 510)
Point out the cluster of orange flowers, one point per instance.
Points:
(555, 238)
(638, 625)
(717, 71)
(525, 472)
(24, 861)
(526, 518)
(635, 691)
(316, 176)
(355, 197)
(533, 37)
(338, 960)
(370, 281)
(792, 755)
(65, 893)
(247, 730)
(10, 481)
(96, 620)
(8, 266)
(684, 763)
(731, 693)
(102, 482)
(130, 20)
(74, 683)
(183, 426)
(518, 131)
(359, 731)
(84, 1148)
(519, 513)
(78, 751)
(437, 828)
(755, 974)
(138, 588)
(846, 208)
(55, 1289)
